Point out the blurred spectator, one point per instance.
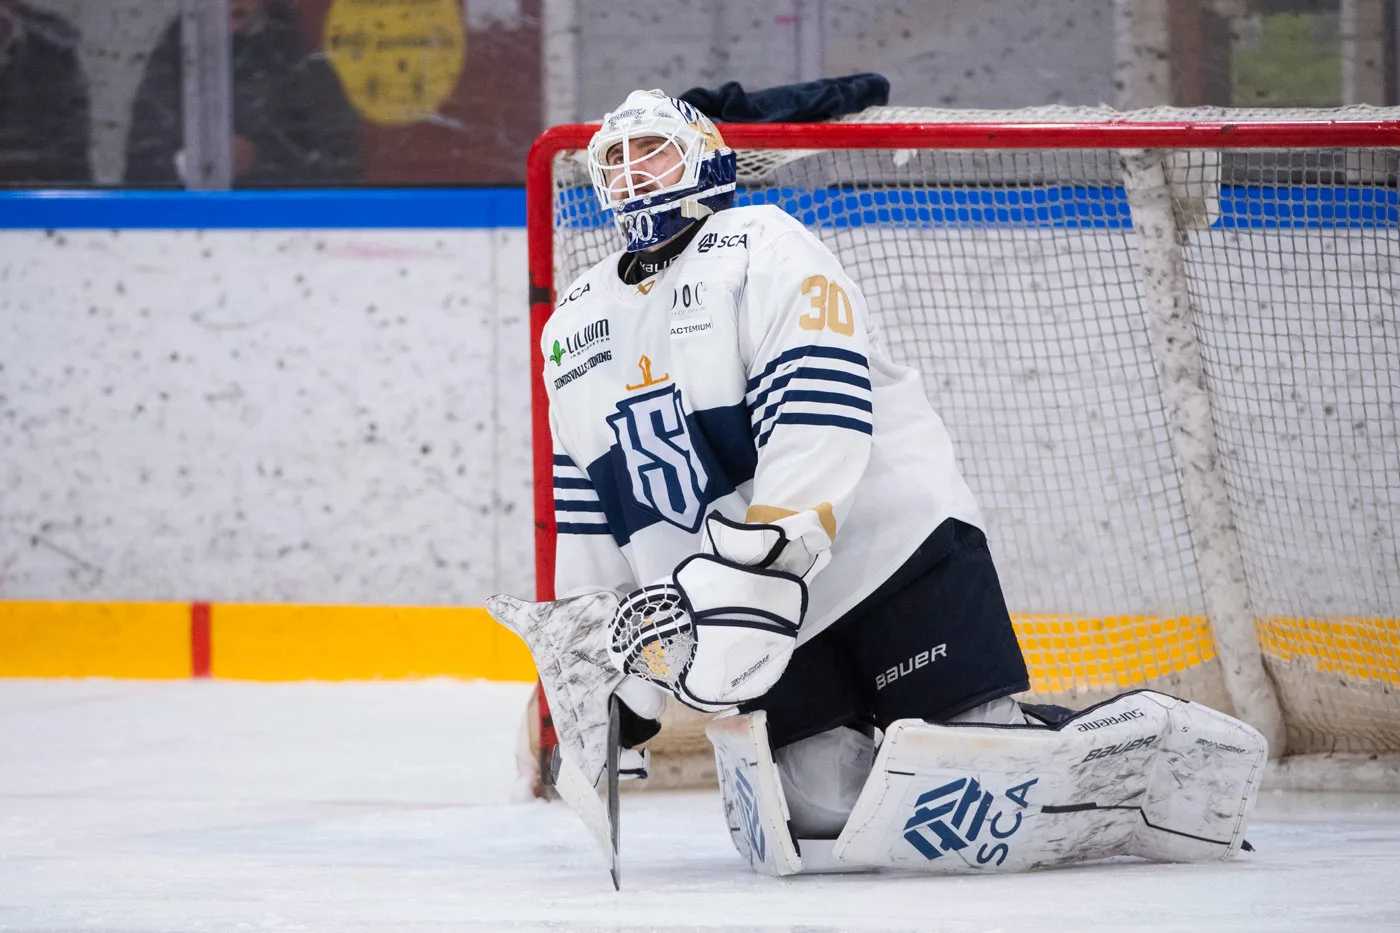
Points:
(291, 122)
(44, 129)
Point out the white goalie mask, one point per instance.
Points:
(658, 163)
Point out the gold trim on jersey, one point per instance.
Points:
(644, 364)
(768, 514)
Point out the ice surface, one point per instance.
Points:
(193, 806)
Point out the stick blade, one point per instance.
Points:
(600, 812)
(614, 809)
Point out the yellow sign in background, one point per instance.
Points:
(398, 59)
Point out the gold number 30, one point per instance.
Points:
(831, 306)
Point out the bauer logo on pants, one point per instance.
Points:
(963, 814)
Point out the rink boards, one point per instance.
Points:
(299, 418)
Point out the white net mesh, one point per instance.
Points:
(1012, 281)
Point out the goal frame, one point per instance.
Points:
(1117, 133)
(539, 206)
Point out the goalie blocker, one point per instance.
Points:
(1143, 774)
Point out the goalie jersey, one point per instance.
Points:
(741, 378)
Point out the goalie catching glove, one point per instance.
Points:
(722, 629)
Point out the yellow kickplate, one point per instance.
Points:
(279, 642)
(67, 639)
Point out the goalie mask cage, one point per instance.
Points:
(1167, 348)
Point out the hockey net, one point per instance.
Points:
(1167, 347)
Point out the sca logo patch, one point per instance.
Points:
(954, 817)
(714, 241)
(576, 294)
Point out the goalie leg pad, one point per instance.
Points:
(1126, 777)
(754, 806)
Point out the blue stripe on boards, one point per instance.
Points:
(1054, 206)
(302, 209)
(574, 528)
(1268, 207)
(797, 353)
(1094, 207)
(841, 207)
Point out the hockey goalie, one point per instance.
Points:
(760, 513)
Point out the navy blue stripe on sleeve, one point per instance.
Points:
(815, 373)
(835, 421)
(763, 426)
(576, 528)
(797, 353)
(831, 398)
(578, 505)
(572, 482)
(830, 421)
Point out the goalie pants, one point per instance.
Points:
(934, 640)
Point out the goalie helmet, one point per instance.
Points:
(654, 197)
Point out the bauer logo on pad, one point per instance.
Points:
(963, 814)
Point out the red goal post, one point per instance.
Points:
(1163, 220)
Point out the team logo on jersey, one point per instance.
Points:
(714, 241)
(952, 818)
(582, 340)
(662, 463)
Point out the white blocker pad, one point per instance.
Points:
(1144, 774)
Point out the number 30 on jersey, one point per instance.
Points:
(830, 307)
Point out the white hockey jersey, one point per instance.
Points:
(740, 378)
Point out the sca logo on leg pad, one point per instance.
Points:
(960, 814)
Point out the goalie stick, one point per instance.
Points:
(611, 775)
(603, 822)
(568, 640)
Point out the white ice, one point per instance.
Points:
(191, 806)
